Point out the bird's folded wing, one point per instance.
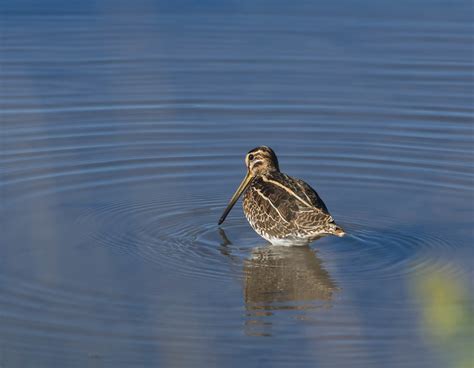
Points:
(295, 200)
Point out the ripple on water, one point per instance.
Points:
(381, 249)
(182, 234)
(179, 234)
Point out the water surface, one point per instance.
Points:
(123, 136)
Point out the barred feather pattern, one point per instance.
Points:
(286, 210)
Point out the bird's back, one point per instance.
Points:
(281, 207)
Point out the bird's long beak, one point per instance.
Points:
(245, 183)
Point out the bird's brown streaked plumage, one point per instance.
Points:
(281, 209)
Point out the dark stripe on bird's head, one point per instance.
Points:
(265, 153)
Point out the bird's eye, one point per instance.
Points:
(250, 157)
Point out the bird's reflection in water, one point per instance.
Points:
(278, 278)
(275, 275)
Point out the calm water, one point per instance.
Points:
(123, 136)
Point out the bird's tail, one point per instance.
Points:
(337, 230)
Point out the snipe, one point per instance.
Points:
(281, 209)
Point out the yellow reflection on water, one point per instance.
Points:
(447, 316)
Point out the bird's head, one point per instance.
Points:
(259, 161)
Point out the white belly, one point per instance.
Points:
(290, 240)
(287, 242)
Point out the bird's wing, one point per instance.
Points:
(311, 195)
(295, 200)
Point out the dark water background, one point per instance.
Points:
(123, 133)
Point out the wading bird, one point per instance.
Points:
(281, 209)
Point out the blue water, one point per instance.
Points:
(123, 134)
